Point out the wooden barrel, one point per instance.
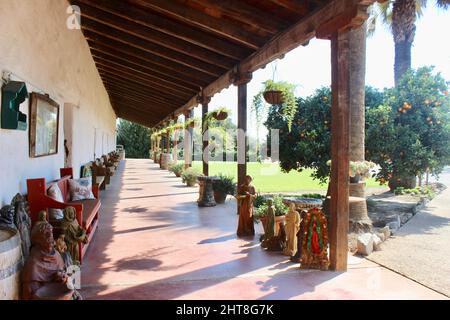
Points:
(166, 158)
(10, 264)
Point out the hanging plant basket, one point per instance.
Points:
(221, 115)
(273, 97)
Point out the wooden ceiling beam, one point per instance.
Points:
(93, 14)
(137, 78)
(165, 54)
(138, 106)
(138, 84)
(297, 34)
(104, 44)
(146, 72)
(145, 17)
(136, 118)
(161, 72)
(246, 14)
(145, 106)
(133, 95)
(299, 6)
(227, 29)
(127, 87)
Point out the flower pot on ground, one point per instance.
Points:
(176, 168)
(223, 187)
(190, 176)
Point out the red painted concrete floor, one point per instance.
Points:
(154, 242)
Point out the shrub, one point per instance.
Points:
(190, 176)
(225, 185)
(176, 168)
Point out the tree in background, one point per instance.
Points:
(135, 139)
(410, 133)
(400, 16)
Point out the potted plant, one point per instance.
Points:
(223, 187)
(191, 123)
(261, 207)
(282, 94)
(176, 168)
(360, 170)
(190, 176)
(220, 114)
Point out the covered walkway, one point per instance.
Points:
(154, 242)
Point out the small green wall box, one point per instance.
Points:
(13, 94)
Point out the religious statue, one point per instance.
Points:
(315, 241)
(298, 254)
(278, 242)
(269, 227)
(292, 226)
(246, 195)
(23, 223)
(44, 277)
(7, 217)
(61, 247)
(73, 233)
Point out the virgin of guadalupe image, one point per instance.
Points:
(315, 241)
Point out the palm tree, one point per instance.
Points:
(400, 16)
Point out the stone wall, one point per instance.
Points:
(37, 47)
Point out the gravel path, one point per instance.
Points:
(420, 249)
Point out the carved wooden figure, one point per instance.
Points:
(298, 254)
(315, 241)
(43, 276)
(269, 228)
(23, 223)
(278, 242)
(292, 226)
(73, 233)
(246, 196)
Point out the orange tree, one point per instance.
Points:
(410, 133)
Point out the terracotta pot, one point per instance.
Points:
(220, 116)
(220, 197)
(178, 175)
(191, 183)
(273, 97)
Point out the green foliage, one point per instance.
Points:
(261, 210)
(289, 107)
(135, 139)
(176, 168)
(190, 175)
(225, 185)
(307, 145)
(411, 132)
(426, 191)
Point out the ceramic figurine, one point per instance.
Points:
(315, 241)
(73, 233)
(292, 226)
(23, 223)
(61, 246)
(7, 217)
(43, 276)
(246, 196)
(298, 254)
(269, 228)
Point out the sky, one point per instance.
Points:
(309, 67)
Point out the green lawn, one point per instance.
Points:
(269, 178)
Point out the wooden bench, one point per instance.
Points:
(87, 211)
(98, 176)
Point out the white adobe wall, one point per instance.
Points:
(38, 48)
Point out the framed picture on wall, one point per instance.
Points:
(44, 125)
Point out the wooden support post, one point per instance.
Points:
(340, 141)
(188, 114)
(204, 101)
(241, 80)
